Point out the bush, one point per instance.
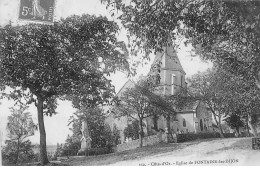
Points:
(186, 137)
(9, 153)
(229, 135)
(96, 151)
(208, 135)
(193, 136)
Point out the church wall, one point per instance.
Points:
(166, 79)
(204, 118)
(162, 123)
(190, 122)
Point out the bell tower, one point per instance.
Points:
(172, 74)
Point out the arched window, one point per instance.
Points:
(155, 122)
(201, 125)
(184, 123)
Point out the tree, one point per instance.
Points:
(224, 32)
(100, 133)
(235, 122)
(71, 146)
(140, 102)
(132, 130)
(25, 154)
(223, 93)
(205, 87)
(69, 58)
(20, 126)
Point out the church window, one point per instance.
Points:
(173, 83)
(155, 122)
(201, 125)
(184, 123)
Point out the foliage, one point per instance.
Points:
(9, 152)
(101, 134)
(42, 63)
(71, 146)
(225, 32)
(97, 151)
(235, 122)
(222, 92)
(140, 102)
(20, 126)
(132, 130)
(194, 136)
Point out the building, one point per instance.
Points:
(195, 118)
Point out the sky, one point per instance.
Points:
(56, 126)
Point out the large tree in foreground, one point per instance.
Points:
(69, 58)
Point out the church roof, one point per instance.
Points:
(191, 107)
(128, 84)
(153, 98)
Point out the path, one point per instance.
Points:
(231, 151)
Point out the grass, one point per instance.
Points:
(138, 153)
(125, 155)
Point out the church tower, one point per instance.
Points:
(172, 74)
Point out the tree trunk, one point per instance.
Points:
(168, 123)
(43, 151)
(17, 152)
(218, 123)
(141, 133)
(220, 127)
(169, 133)
(251, 126)
(237, 129)
(247, 127)
(221, 131)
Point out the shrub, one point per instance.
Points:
(193, 136)
(186, 137)
(208, 135)
(96, 151)
(229, 135)
(11, 156)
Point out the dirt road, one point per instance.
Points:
(230, 151)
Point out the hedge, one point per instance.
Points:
(96, 151)
(193, 136)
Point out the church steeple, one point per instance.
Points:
(169, 59)
(172, 73)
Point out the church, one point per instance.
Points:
(193, 119)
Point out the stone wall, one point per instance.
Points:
(150, 140)
(128, 146)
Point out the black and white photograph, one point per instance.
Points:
(130, 83)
